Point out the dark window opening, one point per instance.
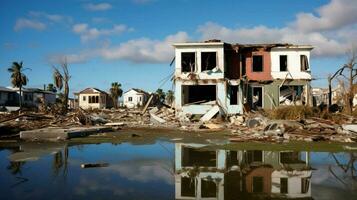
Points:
(257, 97)
(195, 157)
(243, 65)
(283, 185)
(188, 62)
(84, 98)
(130, 98)
(290, 158)
(97, 99)
(283, 63)
(255, 156)
(304, 63)
(208, 60)
(198, 93)
(188, 187)
(257, 63)
(305, 183)
(208, 188)
(233, 95)
(232, 159)
(258, 184)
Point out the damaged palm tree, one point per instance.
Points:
(349, 72)
(18, 78)
(61, 78)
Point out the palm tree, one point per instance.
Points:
(115, 92)
(18, 78)
(60, 79)
(170, 97)
(160, 95)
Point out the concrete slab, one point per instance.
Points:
(54, 133)
(211, 113)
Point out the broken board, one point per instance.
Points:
(211, 113)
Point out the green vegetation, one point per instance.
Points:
(18, 78)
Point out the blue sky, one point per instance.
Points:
(129, 41)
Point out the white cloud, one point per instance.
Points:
(331, 32)
(336, 14)
(86, 33)
(55, 18)
(144, 171)
(142, 50)
(98, 7)
(23, 23)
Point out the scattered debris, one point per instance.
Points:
(92, 165)
(61, 133)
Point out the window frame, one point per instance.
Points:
(287, 67)
(195, 60)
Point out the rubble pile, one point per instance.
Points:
(259, 128)
(252, 126)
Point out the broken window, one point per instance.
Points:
(188, 62)
(257, 63)
(257, 97)
(304, 63)
(283, 63)
(290, 158)
(233, 93)
(305, 183)
(188, 187)
(208, 60)
(130, 98)
(258, 184)
(195, 157)
(208, 188)
(283, 185)
(232, 158)
(198, 93)
(255, 156)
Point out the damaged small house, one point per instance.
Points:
(214, 76)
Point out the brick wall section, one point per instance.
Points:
(265, 75)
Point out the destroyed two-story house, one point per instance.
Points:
(214, 76)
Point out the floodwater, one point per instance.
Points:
(173, 170)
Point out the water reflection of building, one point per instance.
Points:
(203, 173)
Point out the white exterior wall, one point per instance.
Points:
(198, 49)
(137, 99)
(201, 176)
(293, 61)
(216, 75)
(86, 105)
(294, 182)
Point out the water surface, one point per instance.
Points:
(173, 170)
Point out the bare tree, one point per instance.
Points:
(61, 77)
(349, 73)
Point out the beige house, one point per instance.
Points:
(92, 98)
